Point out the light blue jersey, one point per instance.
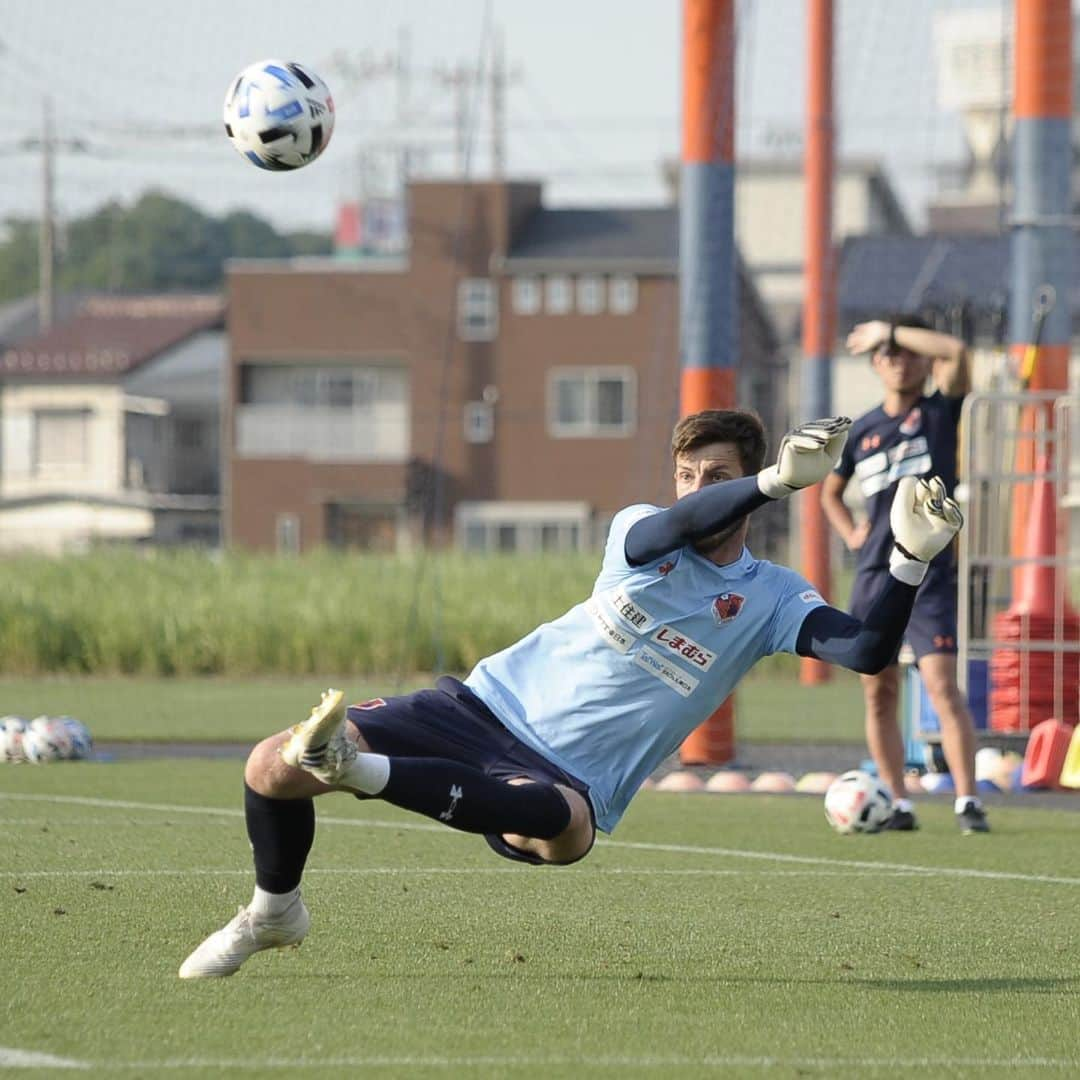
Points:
(611, 688)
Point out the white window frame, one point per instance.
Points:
(569, 523)
(558, 294)
(622, 294)
(527, 295)
(479, 420)
(590, 427)
(47, 466)
(478, 309)
(287, 534)
(591, 294)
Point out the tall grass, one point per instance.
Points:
(188, 613)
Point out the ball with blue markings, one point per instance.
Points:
(279, 114)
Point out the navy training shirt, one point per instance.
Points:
(881, 449)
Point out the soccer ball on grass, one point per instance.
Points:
(279, 114)
(857, 802)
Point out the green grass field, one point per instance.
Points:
(712, 936)
(769, 707)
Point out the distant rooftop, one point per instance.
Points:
(111, 335)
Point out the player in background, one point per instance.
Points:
(911, 433)
(549, 739)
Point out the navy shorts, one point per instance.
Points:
(932, 627)
(452, 722)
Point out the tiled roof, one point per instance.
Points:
(608, 235)
(111, 335)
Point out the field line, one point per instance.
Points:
(11, 1057)
(625, 845)
(555, 1061)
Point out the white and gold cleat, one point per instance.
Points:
(318, 745)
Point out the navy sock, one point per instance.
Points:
(281, 832)
(465, 798)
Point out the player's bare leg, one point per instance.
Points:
(881, 695)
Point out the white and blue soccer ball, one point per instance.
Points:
(857, 802)
(279, 114)
(12, 730)
(45, 740)
(82, 743)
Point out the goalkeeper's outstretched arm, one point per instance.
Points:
(923, 521)
(806, 456)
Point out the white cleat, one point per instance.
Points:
(319, 744)
(223, 952)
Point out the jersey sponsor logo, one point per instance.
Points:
(629, 611)
(685, 647)
(869, 442)
(881, 470)
(373, 703)
(811, 596)
(912, 422)
(726, 606)
(615, 637)
(655, 664)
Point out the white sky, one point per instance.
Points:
(593, 108)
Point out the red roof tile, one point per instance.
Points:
(111, 335)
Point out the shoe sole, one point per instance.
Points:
(316, 730)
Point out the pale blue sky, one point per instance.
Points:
(593, 109)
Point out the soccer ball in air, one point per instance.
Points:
(279, 114)
(12, 730)
(857, 802)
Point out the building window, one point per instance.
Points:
(522, 526)
(479, 422)
(595, 402)
(527, 296)
(478, 309)
(327, 412)
(622, 294)
(287, 534)
(61, 439)
(590, 294)
(558, 295)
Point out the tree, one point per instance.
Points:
(160, 243)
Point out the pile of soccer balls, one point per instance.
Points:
(44, 739)
(857, 802)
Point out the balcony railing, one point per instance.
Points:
(323, 433)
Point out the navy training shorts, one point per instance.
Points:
(932, 627)
(452, 722)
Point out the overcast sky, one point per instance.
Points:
(592, 103)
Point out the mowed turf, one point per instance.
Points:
(768, 706)
(712, 935)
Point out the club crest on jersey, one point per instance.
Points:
(665, 568)
(726, 606)
(912, 422)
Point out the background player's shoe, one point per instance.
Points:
(972, 819)
(224, 951)
(319, 744)
(901, 821)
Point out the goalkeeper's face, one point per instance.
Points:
(710, 464)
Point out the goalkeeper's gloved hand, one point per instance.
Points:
(807, 455)
(924, 521)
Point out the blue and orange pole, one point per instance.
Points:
(1041, 256)
(819, 297)
(708, 321)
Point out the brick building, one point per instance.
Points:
(507, 382)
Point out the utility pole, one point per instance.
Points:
(46, 230)
(498, 107)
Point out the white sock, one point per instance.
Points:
(269, 903)
(903, 804)
(962, 802)
(367, 773)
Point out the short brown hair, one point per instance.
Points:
(741, 427)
